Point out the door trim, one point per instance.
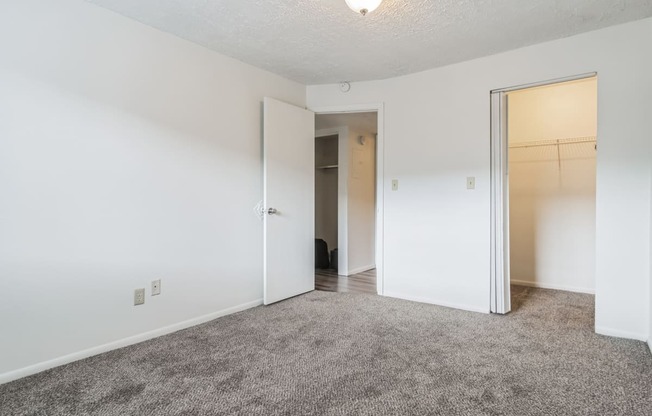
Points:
(379, 108)
(547, 82)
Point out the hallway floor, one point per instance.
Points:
(329, 281)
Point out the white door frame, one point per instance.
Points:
(379, 108)
(500, 298)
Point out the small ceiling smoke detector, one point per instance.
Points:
(363, 6)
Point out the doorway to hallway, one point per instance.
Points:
(345, 201)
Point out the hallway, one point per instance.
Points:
(329, 281)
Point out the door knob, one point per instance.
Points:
(271, 211)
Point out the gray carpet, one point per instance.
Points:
(349, 354)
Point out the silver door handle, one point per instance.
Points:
(271, 211)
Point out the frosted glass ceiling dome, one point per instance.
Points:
(363, 6)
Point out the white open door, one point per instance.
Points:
(288, 201)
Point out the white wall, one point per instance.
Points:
(361, 200)
(437, 133)
(558, 111)
(551, 188)
(126, 155)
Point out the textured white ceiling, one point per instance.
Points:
(323, 41)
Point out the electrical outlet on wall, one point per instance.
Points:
(156, 287)
(470, 182)
(139, 296)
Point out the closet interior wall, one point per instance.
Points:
(552, 172)
(326, 190)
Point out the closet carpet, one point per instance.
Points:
(356, 354)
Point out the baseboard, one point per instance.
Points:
(470, 308)
(620, 334)
(124, 342)
(361, 269)
(555, 287)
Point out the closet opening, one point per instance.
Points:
(345, 202)
(544, 147)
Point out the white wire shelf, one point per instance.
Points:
(553, 142)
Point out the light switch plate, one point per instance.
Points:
(470, 182)
(394, 184)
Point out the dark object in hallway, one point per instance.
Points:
(334, 261)
(321, 254)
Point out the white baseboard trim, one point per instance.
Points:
(620, 334)
(555, 287)
(361, 269)
(470, 308)
(124, 342)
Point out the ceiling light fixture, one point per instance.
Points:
(363, 6)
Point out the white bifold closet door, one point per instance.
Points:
(500, 293)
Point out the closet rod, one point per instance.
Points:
(555, 142)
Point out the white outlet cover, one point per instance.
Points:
(139, 296)
(156, 287)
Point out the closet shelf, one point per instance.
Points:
(553, 142)
(327, 167)
(556, 142)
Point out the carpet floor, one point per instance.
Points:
(355, 354)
